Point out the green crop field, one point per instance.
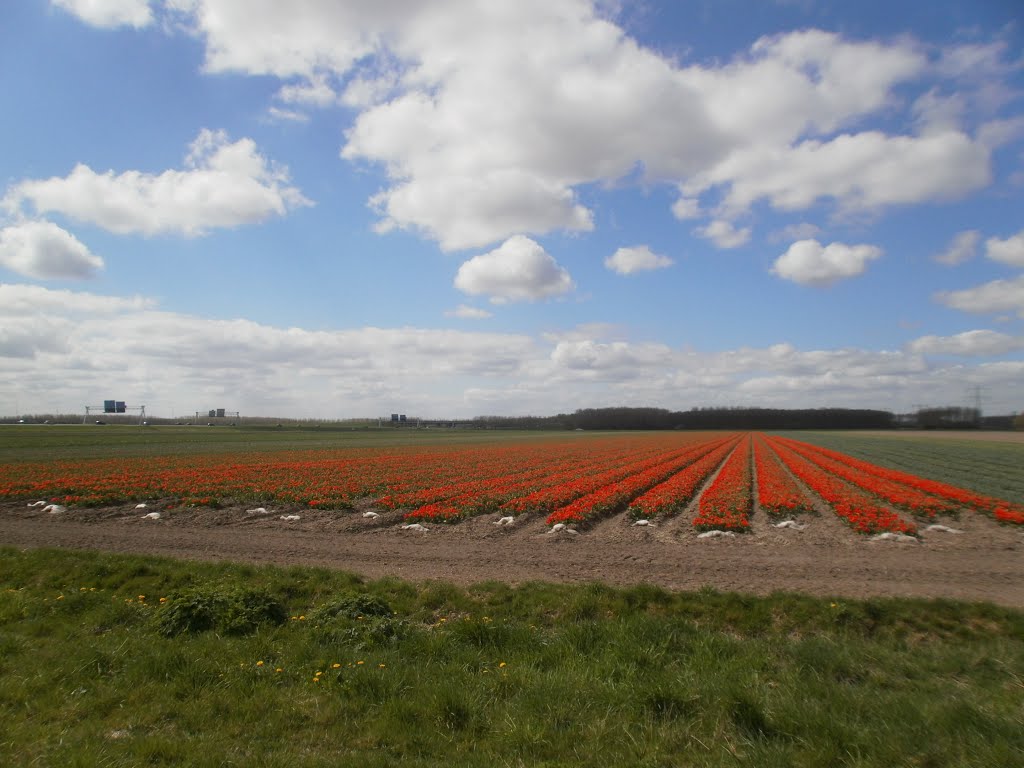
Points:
(992, 467)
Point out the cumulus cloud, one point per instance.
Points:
(518, 270)
(71, 345)
(686, 208)
(315, 92)
(638, 258)
(109, 13)
(724, 235)
(809, 263)
(467, 312)
(224, 184)
(963, 247)
(988, 298)
(42, 250)
(481, 139)
(980, 343)
(863, 171)
(18, 299)
(1009, 251)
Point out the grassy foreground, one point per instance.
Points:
(124, 661)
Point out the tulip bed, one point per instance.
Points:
(572, 479)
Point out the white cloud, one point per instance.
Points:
(802, 231)
(637, 258)
(981, 343)
(109, 13)
(315, 92)
(963, 247)
(863, 171)
(724, 235)
(290, 115)
(467, 312)
(18, 299)
(808, 263)
(518, 270)
(616, 360)
(225, 184)
(989, 298)
(488, 118)
(75, 347)
(42, 250)
(686, 208)
(1009, 251)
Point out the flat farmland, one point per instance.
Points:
(829, 514)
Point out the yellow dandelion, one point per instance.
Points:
(81, 589)
(163, 599)
(60, 597)
(502, 665)
(316, 679)
(318, 673)
(259, 663)
(359, 662)
(382, 665)
(335, 665)
(302, 618)
(142, 597)
(279, 670)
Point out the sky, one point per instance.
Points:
(327, 209)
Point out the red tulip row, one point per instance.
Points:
(777, 492)
(858, 508)
(511, 479)
(949, 495)
(903, 496)
(572, 485)
(727, 502)
(675, 493)
(557, 484)
(614, 496)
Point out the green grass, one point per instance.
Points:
(92, 674)
(992, 468)
(20, 442)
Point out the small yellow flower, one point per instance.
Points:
(259, 663)
(359, 662)
(382, 665)
(279, 670)
(60, 597)
(142, 597)
(335, 665)
(502, 665)
(81, 589)
(163, 599)
(834, 605)
(302, 618)
(316, 679)
(318, 673)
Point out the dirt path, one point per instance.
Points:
(985, 562)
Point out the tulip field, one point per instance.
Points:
(716, 481)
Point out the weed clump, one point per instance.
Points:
(229, 610)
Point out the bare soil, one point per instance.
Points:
(985, 562)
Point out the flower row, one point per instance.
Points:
(897, 494)
(777, 492)
(727, 502)
(675, 493)
(950, 495)
(855, 506)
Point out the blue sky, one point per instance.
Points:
(457, 208)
